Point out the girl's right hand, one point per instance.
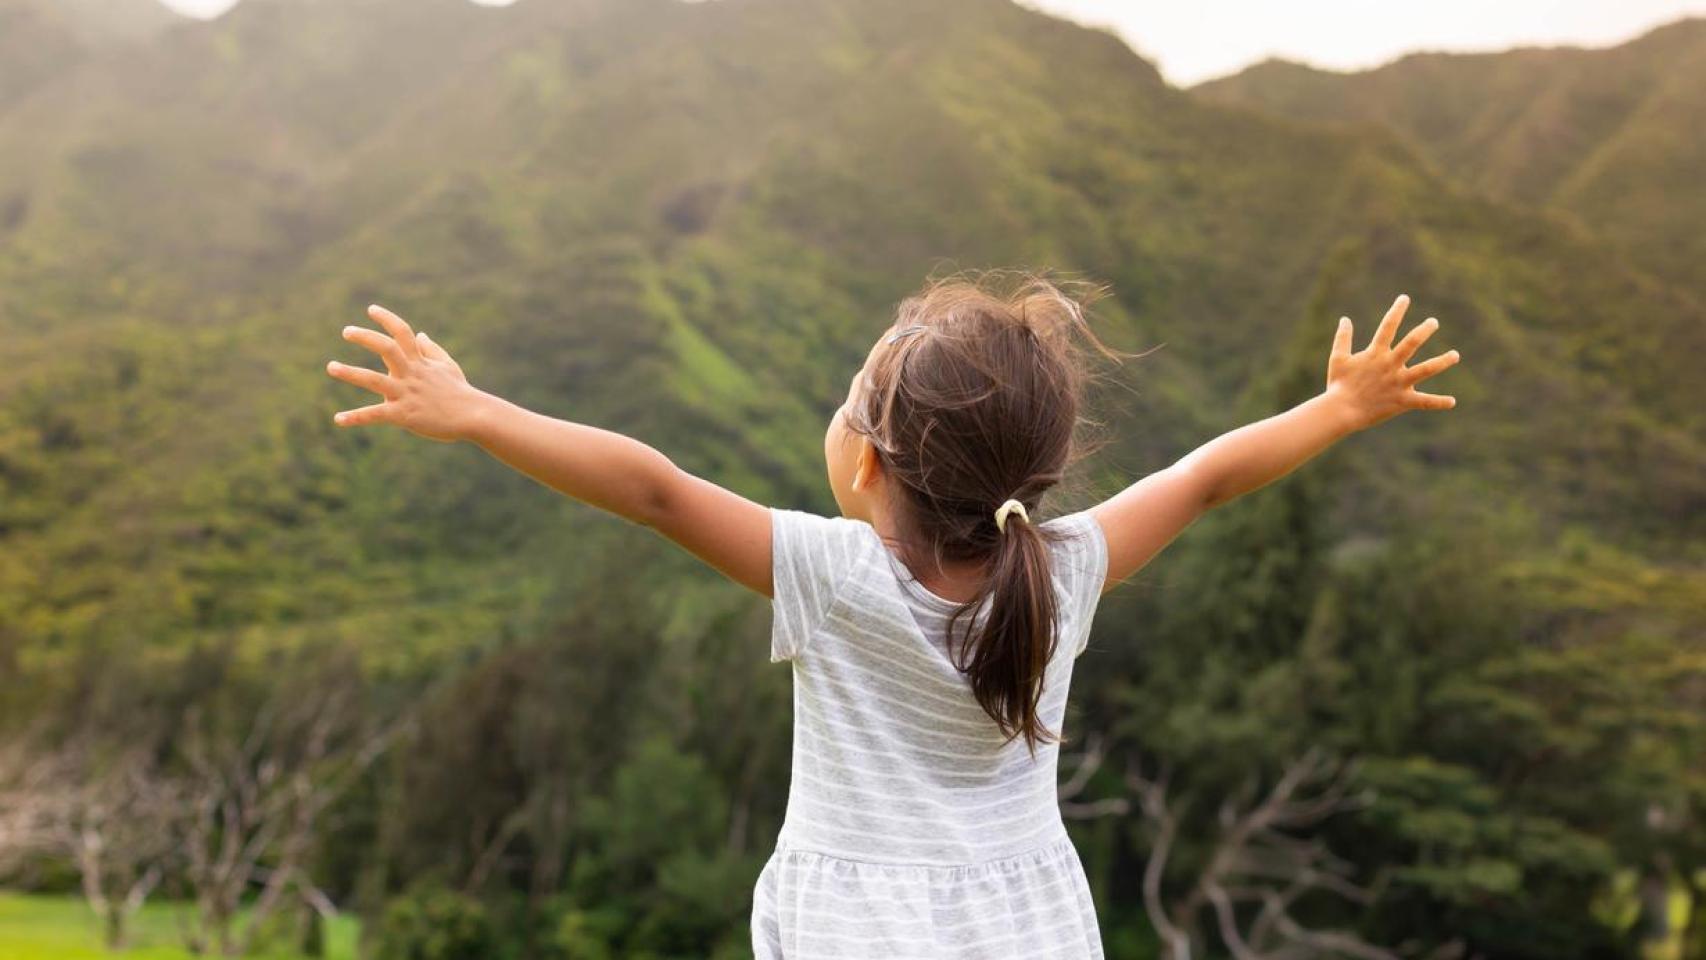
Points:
(1374, 385)
(425, 392)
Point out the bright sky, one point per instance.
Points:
(1192, 42)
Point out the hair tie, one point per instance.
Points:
(1011, 506)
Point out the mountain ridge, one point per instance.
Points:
(629, 240)
(1603, 136)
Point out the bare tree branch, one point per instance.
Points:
(1261, 864)
(258, 803)
(110, 814)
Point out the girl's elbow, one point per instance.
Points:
(657, 500)
(1200, 484)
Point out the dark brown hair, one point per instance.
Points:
(974, 398)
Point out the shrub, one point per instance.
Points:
(436, 924)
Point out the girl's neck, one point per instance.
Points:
(956, 582)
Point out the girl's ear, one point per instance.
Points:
(867, 469)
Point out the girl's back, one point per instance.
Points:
(914, 827)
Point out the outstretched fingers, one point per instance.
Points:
(362, 377)
(362, 416)
(1342, 339)
(1432, 401)
(397, 350)
(398, 330)
(1413, 340)
(379, 343)
(1429, 367)
(1389, 324)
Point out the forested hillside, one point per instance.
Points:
(687, 222)
(1609, 138)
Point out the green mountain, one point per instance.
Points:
(687, 222)
(40, 40)
(1608, 138)
(723, 215)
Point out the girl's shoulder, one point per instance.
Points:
(1079, 544)
(1078, 562)
(812, 559)
(817, 541)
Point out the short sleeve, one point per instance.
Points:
(1081, 566)
(811, 557)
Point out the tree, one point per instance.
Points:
(118, 821)
(30, 781)
(112, 812)
(255, 804)
(1263, 862)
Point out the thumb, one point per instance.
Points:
(427, 344)
(1342, 338)
(435, 351)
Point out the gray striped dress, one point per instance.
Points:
(911, 830)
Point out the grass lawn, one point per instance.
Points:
(61, 928)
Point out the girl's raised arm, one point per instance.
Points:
(1363, 389)
(427, 394)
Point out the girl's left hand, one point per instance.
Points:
(1374, 384)
(425, 393)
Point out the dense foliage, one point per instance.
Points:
(687, 222)
(1608, 139)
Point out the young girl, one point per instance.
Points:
(932, 628)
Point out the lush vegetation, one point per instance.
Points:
(524, 728)
(61, 928)
(1608, 140)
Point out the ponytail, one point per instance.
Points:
(972, 395)
(1007, 657)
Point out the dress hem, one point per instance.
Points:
(1047, 850)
